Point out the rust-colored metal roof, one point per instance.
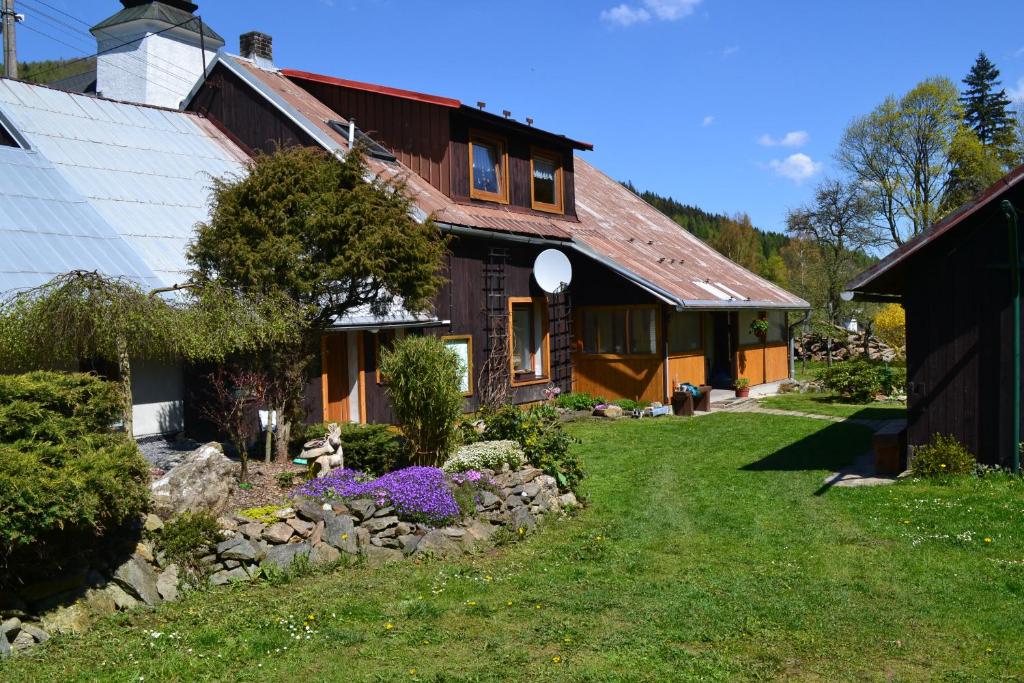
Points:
(883, 277)
(614, 225)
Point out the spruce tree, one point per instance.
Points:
(986, 106)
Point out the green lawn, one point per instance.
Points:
(709, 552)
(830, 404)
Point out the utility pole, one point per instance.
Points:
(10, 46)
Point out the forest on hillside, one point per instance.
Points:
(50, 70)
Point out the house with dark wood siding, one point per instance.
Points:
(649, 305)
(954, 282)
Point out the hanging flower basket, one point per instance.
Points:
(759, 328)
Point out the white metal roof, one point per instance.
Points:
(103, 185)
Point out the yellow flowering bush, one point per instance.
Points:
(891, 327)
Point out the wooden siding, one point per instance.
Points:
(417, 132)
(334, 377)
(519, 169)
(688, 368)
(763, 363)
(247, 117)
(636, 377)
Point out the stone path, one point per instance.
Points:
(860, 473)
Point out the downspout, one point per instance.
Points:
(1014, 237)
(792, 346)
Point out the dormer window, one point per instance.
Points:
(546, 181)
(488, 168)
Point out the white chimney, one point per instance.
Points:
(152, 52)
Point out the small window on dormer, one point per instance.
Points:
(488, 168)
(546, 181)
(7, 138)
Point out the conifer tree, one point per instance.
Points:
(986, 106)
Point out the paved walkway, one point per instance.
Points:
(860, 473)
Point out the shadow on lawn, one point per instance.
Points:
(830, 449)
(895, 412)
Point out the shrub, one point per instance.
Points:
(943, 455)
(466, 488)
(543, 440)
(423, 384)
(577, 401)
(285, 479)
(186, 539)
(860, 380)
(418, 494)
(372, 448)
(65, 478)
(629, 405)
(486, 455)
(891, 327)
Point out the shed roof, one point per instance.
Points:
(614, 225)
(103, 185)
(885, 278)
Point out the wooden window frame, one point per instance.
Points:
(499, 142)
(659, 330)
(469, 355)
(545, 342)
(547, 155)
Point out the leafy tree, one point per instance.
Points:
(900, 153)
(306, 226)
(974, 167)
(233, 392)
(737, 240)
(89, 316)
(986, 109)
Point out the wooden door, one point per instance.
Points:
(336, 382)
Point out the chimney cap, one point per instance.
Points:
(183, 5)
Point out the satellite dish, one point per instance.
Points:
(552, 271)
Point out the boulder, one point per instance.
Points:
(340, 532)
(122, 600)
(71, 619)
(145, 551)
(480, 531)
(488, 499)
(167, 583)
(5, 648)
(202, 482)
(23, 641)
(239, 548)
(278, 533)
(377, 556)
(252, 530)
(282, 556)
(153, 523)
(324, 553)
(301, 526)
(610, 411)
(37, 634)
(409, 543)
(138, 578)
(317, 534)
(308, 509)
(377, 524)
(568, 500)
(522, 519)
(362, 508)
(9, 628)
(100, 601)
(438, 544)
(226, 576)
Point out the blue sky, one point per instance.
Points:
(731, 105)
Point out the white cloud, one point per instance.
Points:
(794, 138)
(797, 167)
(662, 10)
(708, 120)
(730, 51)
(1016, 93)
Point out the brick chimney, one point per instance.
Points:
(258, 47)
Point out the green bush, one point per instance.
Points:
(375, 449)
(860, 380)
(629, 405)
(942, 456)
(423, 378)
(577, 401)
(65, 478)
(542, 438)
(186, 539)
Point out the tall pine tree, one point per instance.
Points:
(986, 106)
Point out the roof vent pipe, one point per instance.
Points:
(351, 133)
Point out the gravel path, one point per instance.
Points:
(163, 453)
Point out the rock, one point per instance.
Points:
(453, 532)
(384, 512)
(324, 553)
(522, 519)
(546, 481)
(137, 577)
(530, 490)
(9, 628)
(377, 524)
(480, 531)
(609, 411)
(100, 601)
(308, 509)
(284, 513)
(41, 590)
(340, 532)
(488, 499)
(152, 523)
(5, 648)
(252, 530)
(226, 576)
(378, 556)
(122, 600)
(167, 583)
(282, 556)
(23, 641)
(437, 544)
(239, 548)
(317, 534)
(227, 524)
(514, 502)
(338, 507)
(568, 500)
(409, 543)
(278, 533)
(37, 634)
(202, 482)
(362, 508)
(145, 551)
(71, 619)
(362, 537)
(301, 526)
(231, 564)
(403, 528)
(390, 543)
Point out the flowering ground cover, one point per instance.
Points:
(709, 551)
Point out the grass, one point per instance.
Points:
(830, 404)
(710, 551)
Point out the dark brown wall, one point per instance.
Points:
(959, 343)
(245, 115)
(518, 147)
(416, 132)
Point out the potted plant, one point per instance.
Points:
(759, 328)
(742, 386)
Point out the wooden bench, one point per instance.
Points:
(684, 404)
(890, 446)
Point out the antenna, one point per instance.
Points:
(481, 105)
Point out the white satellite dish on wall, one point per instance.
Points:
(552, 271)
